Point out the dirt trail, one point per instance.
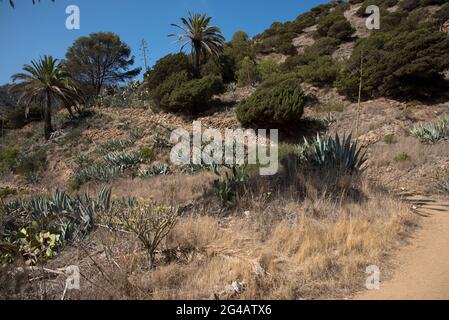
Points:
(422, 266)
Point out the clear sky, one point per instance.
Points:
(28, 31)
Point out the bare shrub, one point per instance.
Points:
(149, 223)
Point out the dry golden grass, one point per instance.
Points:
(282, 247)
(420, 154)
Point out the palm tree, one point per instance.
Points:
(203, 38)
(11, 2)
(46, 81)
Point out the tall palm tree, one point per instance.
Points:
(11, 2)
(203, 38)
(45, 81)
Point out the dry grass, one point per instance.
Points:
(384, 154)
(283, 247)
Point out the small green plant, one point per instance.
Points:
(147, 153)
(6, 192)
(9, 158)
(432, 133)
(390, 138)
(228, 183)
(402, 157)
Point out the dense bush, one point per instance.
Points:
(277, 103)
(179, 94)
(247, 74)
(322, 47)
(441, 16)
(383, 4)
(165, 67)
(406, 64)
(224, 66)
(321, 71)
(409, 5)
(278, 38)
(268, 68)
(161, 94)
(16, 118)
(336, 26)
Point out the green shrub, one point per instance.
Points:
(390, 139)
(224, 66)
(26, 165)
(322, 71)
(403, 65)
(278, 38)
(277, 103)
(409, 5)
(161, 95)
(441, 16)
(9, 158)
(336, 26)
(268, 68)
(195, 95)
(247, 74)
(383, 4)
(147, 153)
(322, 47)
(16, 118)
(167, 66)
(6, 192)
(401, 157)
(179, 94)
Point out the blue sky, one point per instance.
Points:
(28, 31)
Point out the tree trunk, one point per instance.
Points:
(197, 60)
(48, 129)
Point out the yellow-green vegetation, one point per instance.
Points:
(401, 157)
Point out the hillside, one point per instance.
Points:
(103, 194)
(7, 101)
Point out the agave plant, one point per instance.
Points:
(335, 153)
(97, 172)
(114, 145)
(123, 160)
(432, 133)
(155, 170)
(444, 185)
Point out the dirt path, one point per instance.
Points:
(422, 266)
